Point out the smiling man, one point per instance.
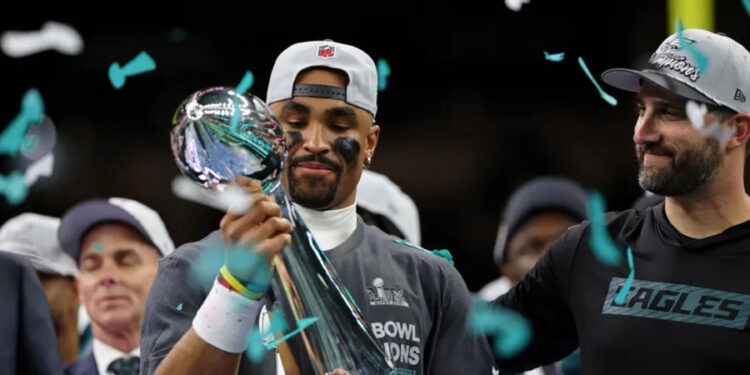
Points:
(687, 309)
(117, 244)
(416, 303)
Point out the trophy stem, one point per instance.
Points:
(310, 288)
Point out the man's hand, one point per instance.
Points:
(338, 371)
(261, 228)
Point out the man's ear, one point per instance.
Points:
(372, 140)
(741, 124)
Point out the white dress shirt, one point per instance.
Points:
(105, 354)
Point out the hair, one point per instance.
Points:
(320, 67)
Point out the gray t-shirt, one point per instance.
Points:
(415, 303)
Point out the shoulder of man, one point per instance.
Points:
(618, 223)
(557, 262)
(15, 262)
(14, 272)
(403, 249)
(195, 263)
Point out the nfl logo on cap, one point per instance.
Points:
(326, 51)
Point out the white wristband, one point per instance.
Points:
(225, 319)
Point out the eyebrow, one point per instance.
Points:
(662, 103)
(117, 251)
(344, 113)
(292, 106)
(83, 257)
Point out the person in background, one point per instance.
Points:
(536, 214)
(116, 244)
(381, 203)
(34, 238)
(27, 335)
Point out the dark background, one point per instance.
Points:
(472, 108)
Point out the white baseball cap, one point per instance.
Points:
(725, 82)
(34, 237)
(362, 90)
(85, 215)
(378, 194)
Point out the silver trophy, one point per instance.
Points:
(219, 135)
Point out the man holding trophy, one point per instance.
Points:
(414, 303)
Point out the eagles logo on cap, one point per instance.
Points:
(326, 51)
(674, 67)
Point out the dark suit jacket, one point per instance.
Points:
(83, 366)
(28, 344)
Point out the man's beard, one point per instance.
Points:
(688, 170)
(315, 193)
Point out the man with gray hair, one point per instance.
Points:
(116, 243)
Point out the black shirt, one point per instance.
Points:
(686, 312)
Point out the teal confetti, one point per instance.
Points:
(443, 253)
(557, 57)
(243, 263)
(13, 137)
(236, 114)
(140, 64)
(246, 83)
(32, 106)
(620, 297)
(255, 348)
(203, 271)
(98, 247)
(700, 59)
(14, 188)
(384, 71)
(242, 87)
(511, 331)
(278, 322)
(608, 98)
(301, 325)
(746, 3)
(409, 244)
(604, 248)
(179, 307)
